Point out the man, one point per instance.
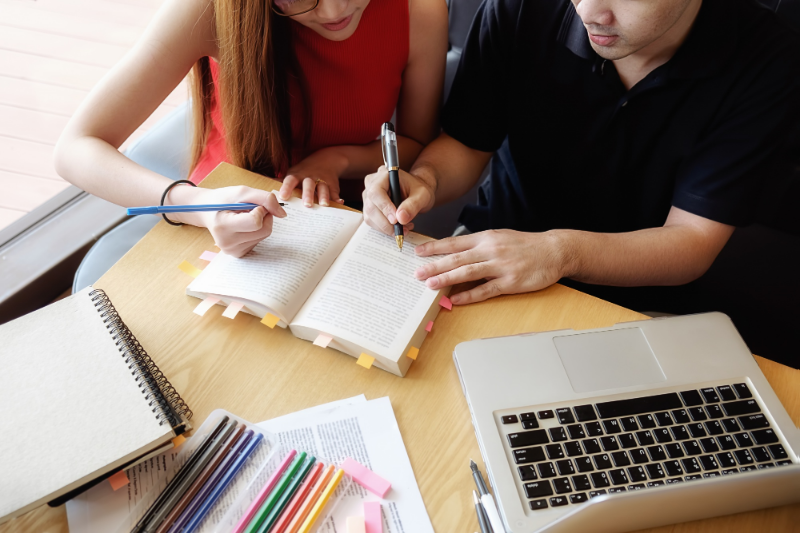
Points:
(629, 137)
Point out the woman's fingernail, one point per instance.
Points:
(455, 299)
(419, 273)
(307, 204)
(392, 220)
(324, 203)
(433, 283)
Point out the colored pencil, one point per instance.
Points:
(264, 492)
(298, 499)
(276, 493)
(313, 496)
(279, 506)
(323, 499)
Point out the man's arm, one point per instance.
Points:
(444, 171)
(515, 262)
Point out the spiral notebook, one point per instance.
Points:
(79, 399)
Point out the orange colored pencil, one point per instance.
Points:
(313, 496)
(297, 500)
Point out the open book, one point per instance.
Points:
(324, 271)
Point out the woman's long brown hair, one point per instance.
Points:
(253, 64)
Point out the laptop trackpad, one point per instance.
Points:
(608, 360)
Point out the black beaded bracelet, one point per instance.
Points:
(164, 197)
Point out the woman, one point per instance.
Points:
(296, 89)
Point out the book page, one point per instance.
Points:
(370, 296)
(283, 269)
(368, 433)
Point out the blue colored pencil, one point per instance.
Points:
(223, 484)
(159, 209)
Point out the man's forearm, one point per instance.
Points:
(450, 168)
(670, 255)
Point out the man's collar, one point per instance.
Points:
(708, 47)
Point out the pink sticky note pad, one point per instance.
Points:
(323, 340)
(446, 303)
(118, 480)
(366, 477)
(208, 256)
(429, 327)
(372, 517)
(233, 309)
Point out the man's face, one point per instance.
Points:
(619, 28)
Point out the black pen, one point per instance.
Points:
(392, 162)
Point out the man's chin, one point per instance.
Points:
(611, 53)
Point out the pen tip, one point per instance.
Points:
(399, 239)
(472, 464)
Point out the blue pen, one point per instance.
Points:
(223, 484)
(159, 209)
(209, 485)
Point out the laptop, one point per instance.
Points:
(637, 425)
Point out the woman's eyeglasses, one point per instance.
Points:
(290, 8)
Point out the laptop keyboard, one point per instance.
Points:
(570, 454)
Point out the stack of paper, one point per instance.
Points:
(364, 430)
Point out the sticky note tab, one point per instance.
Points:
(177, 441)
(413, 352)
(208, 256)
(429, 327)
(366, 477)
(446, 303)
(323, 340)
(365, 360)
(372, 517)
(270, 320)
(205, 305)
(233, 309)
(355, 524)
(118, 480)
(190, 269)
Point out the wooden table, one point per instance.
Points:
(259, 373)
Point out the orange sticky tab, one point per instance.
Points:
(413, 352)
(270, 320)
(118, 480)
(365, 360)
(446, 303)
(190, 269)
(429, 327)
(323, 340)
(177, 441)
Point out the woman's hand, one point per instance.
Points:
(318, 173)
(235, 232)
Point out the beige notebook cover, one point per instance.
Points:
(71, 409)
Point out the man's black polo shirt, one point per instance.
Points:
(704, 132)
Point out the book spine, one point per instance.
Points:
(165, 401)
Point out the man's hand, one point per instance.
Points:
(379, 211)
(318, 173)
(511, 261)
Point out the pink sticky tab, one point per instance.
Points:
(372, 517)
(429, 327)
(323, 340)
(208, 256)
(233, 309)
(446, 303)
(366, 477)
(118, 480)
(205, 305)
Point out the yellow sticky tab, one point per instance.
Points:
(118, 480)
(270, 320)
(190, 269)
(365, 360)
(177, 441)
(413, 352)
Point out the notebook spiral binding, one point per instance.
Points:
(167, 404)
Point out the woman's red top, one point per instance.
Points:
(353, 85)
